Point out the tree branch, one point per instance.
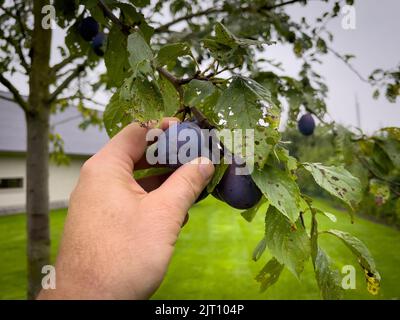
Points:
(109, 14)
(18, 50)
(7, 98)
(57, 67)
(349, 65)
(165, 27)
(18, 19)
(278, 5)
(66, 82)
(14, 91)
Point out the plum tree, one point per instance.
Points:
(237, 190)
(180, 143)
(88, 28)
(98, 44)
(306, 124)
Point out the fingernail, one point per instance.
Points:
(206, 167)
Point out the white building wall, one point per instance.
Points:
(62, 180)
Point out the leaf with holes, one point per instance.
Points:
(363, 256)
(117, 115)
(269, 275)
(328, 279)
(287, 242)
(337, 181)
(196, 91)
(140, 53)
(245, 104)
(280, 190)
(170, 52)
(147, 99)
(380, 189)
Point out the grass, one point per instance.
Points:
(213, 257)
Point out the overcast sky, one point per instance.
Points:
(375, 42)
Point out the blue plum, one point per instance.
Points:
(98, 44)
(306, 124)
(88, 28)
(237, 190)
(180, 143)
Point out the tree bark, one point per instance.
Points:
(37, 199)
(37, 162)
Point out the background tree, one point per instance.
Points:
(26, 50)
(209, 61)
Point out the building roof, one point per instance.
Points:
(76, 141)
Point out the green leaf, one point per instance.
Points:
(269, 274)
(147, 99)
(393, 132)
(250, 214)
(248, 105)
(328, 279)
(290, 162)
(218, 174)
(226, 47)
(329, 215)
(170, 96)
(380, 189)
(363, 256)
(204, 96)
(287, 242)
(117, 115)
(140, 53)
(140, 3)
(170, 52)
(280, 190)
(116, 57)
(224, 36)
(144, 97)
(259, 249)
(145, 173)
(392, 149)
(196, 91)
(337, 181)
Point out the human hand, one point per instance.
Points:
(120, 233)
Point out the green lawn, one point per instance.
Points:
(213, 257)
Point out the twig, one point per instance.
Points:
(109, 14)
(66, 82)
(17, 97)
(349, 65)
(165, 27)
(57, 67)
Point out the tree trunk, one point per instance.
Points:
(37, 199)
(37, 162)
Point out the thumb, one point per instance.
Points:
(185, 185)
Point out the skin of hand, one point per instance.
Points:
(120, 233)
